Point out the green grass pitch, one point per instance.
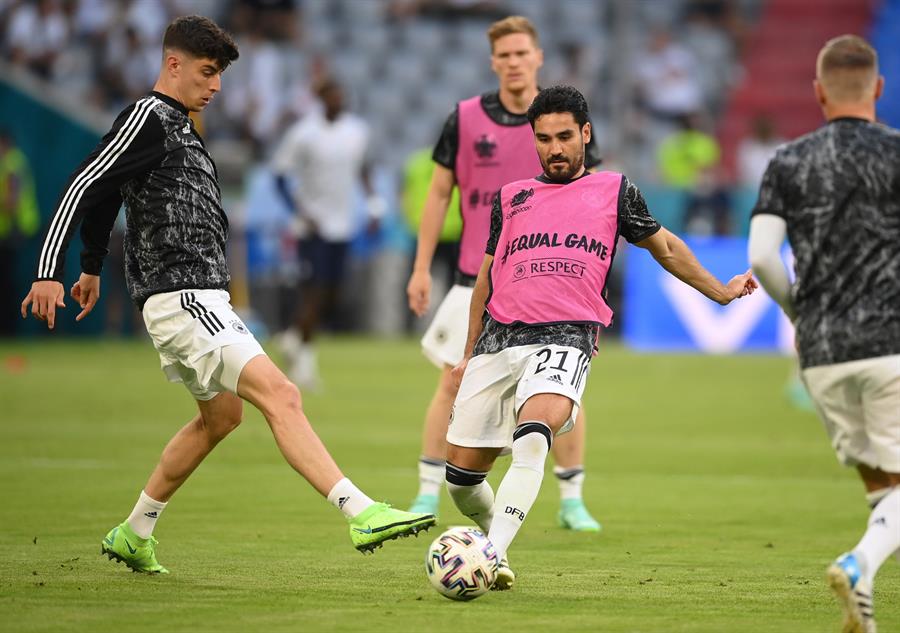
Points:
(721, 504)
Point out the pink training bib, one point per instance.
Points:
(555, 250)
(489, 156)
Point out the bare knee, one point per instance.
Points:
(219, 421)
(283, 399)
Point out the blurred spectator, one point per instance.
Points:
(19, 221)
(686, 154)
(668, 87)
(417, 174)
(131, 66)
(256, 95)
(755, 152)
(326, 154)
(689, 160)
(449, 9)
(36, 34)
(705, 36)
(280, 18)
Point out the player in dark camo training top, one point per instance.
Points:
(835, 193)
(154, 161)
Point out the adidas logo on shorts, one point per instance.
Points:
(556, 378)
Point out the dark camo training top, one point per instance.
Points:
(153, 161)
(838, 189)
(635, 225)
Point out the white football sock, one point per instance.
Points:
(520, 485)
(431, 475)
(882, 538)
(348, 498)
(474, 500)
(571, 480)
(145, 515)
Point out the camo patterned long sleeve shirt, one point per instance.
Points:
(153, 161)
(838, 190)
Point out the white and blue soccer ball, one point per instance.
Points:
(461, 563)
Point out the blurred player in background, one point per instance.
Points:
(536, 312)
(486, 142)
(835, 193)
(20, 220)
(155, 162)
(326, 152)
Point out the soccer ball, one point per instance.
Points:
(461, 563)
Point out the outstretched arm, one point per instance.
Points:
(674, 255)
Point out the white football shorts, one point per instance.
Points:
(859, 403)
(444, 342)
(201, 341)
(495, 386)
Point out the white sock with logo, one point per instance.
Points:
(571, 481)
(882, 538)
(472, 495)
(145, 515)
(431, 475)
(520, 485)
(348, 498)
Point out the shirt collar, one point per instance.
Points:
(170, 101)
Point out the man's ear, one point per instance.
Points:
(821, 97)
(586, 133)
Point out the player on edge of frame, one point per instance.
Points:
(835, 194)
(154, 161)
(536, 311)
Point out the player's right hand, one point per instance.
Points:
(44, 297)
(457, 373)
(418, 291)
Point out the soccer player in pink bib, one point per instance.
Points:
(486, 143)
(536, 310)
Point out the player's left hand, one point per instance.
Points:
(457, 373)
(86, 292)
(739, 286)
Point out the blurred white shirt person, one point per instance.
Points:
(325, 153)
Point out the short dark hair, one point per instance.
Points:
(202, 38)
(559, 99)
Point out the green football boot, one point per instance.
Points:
(124, 546)
(380, 522)
(573, 515)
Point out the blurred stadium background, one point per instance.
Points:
(689, 98)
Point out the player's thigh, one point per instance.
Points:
(483, 414)
(880, 388)
(472, 458)
(836, 394)
(265, 386)
(551, 381)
